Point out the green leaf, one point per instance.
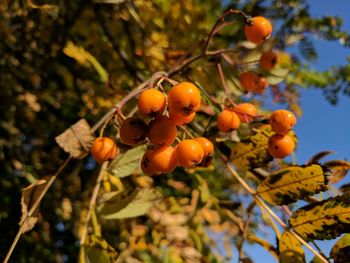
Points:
(323, 220)
(127, 163)
(128, 205)
(290, 249)
(341, 250)
(252, 152)
(97, 250)
(291, 184)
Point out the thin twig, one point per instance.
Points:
(224, 84)
(34, 207)
(93, 202)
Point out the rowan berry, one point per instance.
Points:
(163, 159)
(208, 148)
(133, 130)
(253, 82)
(280, 146)
(184, 98)
(189, 153)
(282, 121)
(146, 163)
(181, 119)
(103, 149)
(245, 111)
(268, 60)
(151, 103)
(260, 30)
(162, 131)
(228, 121)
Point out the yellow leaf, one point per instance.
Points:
(290, 249)
(85, 59)
(323, 220)
(252, 152)
(339, 168)
(291, 184)
(266, 245)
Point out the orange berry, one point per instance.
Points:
(268, 60)
(162, 131)
(133, 131)
(164, 159)
(282, 121)
(151, 103)
(253, 82)
(146, 163)
(189, 153)
(180, 119)
(208, 148)
(184, 98)
(228, 121)
(280, 146)
(245, 111)
(103, 149)
(260, 30)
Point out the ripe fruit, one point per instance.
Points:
(228, 121)
(189, 153)
(163, 159)
(180, 119)
(260, 30)
(253, 82)
(151, 103)
(282, 121)
(280, 146)
(184, 98)
(146, 163)
(208, 148)
(268, 60)
(103, 149)
(162, 131)
(133, 131)
(245, 111)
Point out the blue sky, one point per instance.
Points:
(322, 126)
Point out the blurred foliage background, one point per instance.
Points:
(64, 60)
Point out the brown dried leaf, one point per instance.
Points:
(318, 156)
(77, 139)
(29, 196)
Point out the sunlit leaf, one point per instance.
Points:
(293, 183)
(290, 249)
(265, 244)
(127, 163)
(323, 220)
(252, 152)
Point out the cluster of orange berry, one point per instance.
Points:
(182, 101)
(281, 144)
(231, 119)
(257, 32)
